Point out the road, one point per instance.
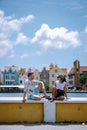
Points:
(58, 126)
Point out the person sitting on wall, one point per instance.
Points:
(32, 88)
(59, 89)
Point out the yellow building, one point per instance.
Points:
(54, 70)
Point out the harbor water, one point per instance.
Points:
(70, 94)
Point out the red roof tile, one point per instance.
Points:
(64, 71)
(82, 69)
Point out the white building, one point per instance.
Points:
(22, 79)
(1, 76)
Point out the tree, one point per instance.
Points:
(83, 78)
(1, 83)
(46, 85)
(16, 83)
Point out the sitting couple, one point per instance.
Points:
(33, 87)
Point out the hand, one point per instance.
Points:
(48, 97)
(67, 98)
(23, 100)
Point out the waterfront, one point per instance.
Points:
(70, 94)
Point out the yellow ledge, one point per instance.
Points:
(71, 110)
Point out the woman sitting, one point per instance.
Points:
(59, 89)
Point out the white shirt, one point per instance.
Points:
(60, 85)
(31, 85)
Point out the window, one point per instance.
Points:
(52, 82)
(7, 76)
(20, 81)
(71, 82)
(56, 71)
(52, 75)
(70, 77)
(12, 76)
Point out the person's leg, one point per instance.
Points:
(34, 97)
(37, 97)
(54, 92)
(60, 98)
(58, 95)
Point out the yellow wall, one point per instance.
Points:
(73, 112)
(21, 112)
(34, 112)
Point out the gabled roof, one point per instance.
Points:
(82, 69)
(64, 71)
(11, 67)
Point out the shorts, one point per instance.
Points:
(34, 94)
(60, 93)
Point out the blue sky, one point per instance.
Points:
(36, 33)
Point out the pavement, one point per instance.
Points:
(39, 126)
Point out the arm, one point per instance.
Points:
(42, 88)
(24, 95)
(65, 92)
(45, 94)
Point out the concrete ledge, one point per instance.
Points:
(19, 99)
(12, 109)
(71, 112)
(21, 112)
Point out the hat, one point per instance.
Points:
(60, 76)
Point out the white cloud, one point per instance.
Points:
(22, 39)
(9, 25)
(56, 38)
(38, 52)
(86, 30)
(26, 19)
(5, 48)
(24, 56)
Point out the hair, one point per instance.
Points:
(29, 74)
(62, 77)
(64, 80)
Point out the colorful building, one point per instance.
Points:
(22, 76)
(36, 74)
(54, 70)
(44, 76)
(75, 73)
(11, 75)
(1, 77)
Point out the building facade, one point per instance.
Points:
(22, 76)
(44, 76)
(11, 75)
(1, 77)
(54, 70)
(36, 74)
(74, 74)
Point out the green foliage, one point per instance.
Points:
(16, 83)
(83, 78)
(46, 85)
(1, 83)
